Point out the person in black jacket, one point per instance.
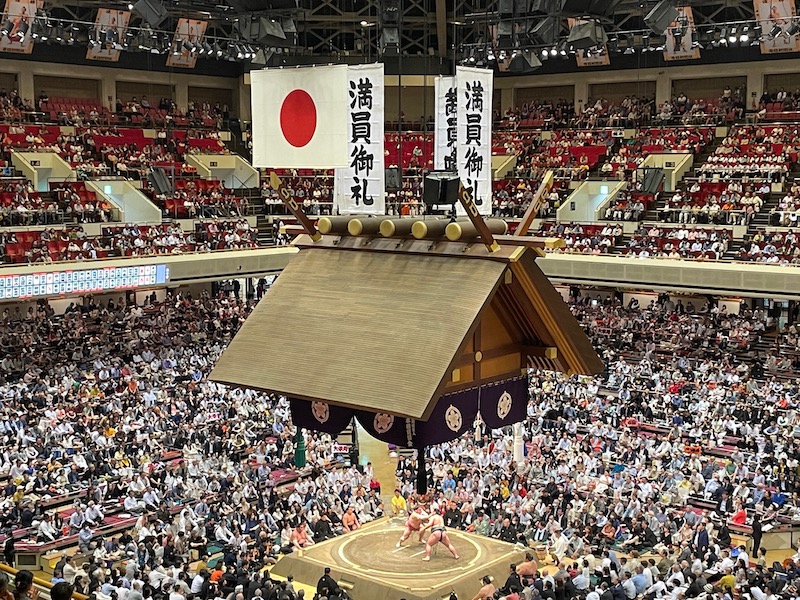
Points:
(326, 586)
(513, 582)
(757, 532)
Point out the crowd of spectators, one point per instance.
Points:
(195, 464)
(785, 212)
(585, 239)
(21, 205)
(630, 112)
(755, 152)
(225, 235)
(775, 247)
(679, 242)
(538, 114)
(722, 202)
(313, 190)
(202, 198)
(683, 441)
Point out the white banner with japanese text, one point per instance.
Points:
(359, 187)
(446, 125)
(474, 151)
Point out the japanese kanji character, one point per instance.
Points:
(474, 95)
(361, 93)
(360, 127)
(363, 160)
(474, 129)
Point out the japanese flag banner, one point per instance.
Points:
(359, 187)
(300, 117)
(474, 148)
(446, 126)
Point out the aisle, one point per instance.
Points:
(377, 452)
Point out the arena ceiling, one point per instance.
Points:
(351, 29)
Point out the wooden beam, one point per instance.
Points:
(536, 203)
(292, 205)
(471, 358)
(465, 197)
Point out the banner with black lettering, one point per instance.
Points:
(504, 403)
(680, 37)
(359, 187)
(474, 149)
(776, 18)
(446, 125)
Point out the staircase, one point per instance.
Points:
(263, 223)
(761, 218)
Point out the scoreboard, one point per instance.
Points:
(81, 281)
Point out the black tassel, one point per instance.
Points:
(422, 473)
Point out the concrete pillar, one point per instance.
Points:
(581, 94)
(519, 443)
(182, 95)
(244, 101)
(25, 86)
(108, 92)
(755, 87)
(507, 99)
(663, 90)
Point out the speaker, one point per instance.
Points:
(440, 188)
(661, 16)
(587, 35)
(392, 179)
(524, 62)
(390, 41)
(152, 12)
(545, 31)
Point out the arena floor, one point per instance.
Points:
(368, 563)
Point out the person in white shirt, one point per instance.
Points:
(132, 505)
(47, 531)
(94, 514)
(151, 499)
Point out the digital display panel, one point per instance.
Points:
(83, 281)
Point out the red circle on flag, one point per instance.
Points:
(298, 118)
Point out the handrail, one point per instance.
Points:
(39, 582)
(90, 261)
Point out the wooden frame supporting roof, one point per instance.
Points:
(390, 325)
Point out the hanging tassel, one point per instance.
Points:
(422, 473)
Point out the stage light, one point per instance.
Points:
(775, 31)
(7, 27)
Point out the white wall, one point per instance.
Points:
(582, 204)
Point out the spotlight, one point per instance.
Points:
(793, 30)
(553, 51)
(218, 51)
(775, 31)
(7, 27)
(206, 48)
(23, 29)
(545, 53)
(189, 46)
(744, 38)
